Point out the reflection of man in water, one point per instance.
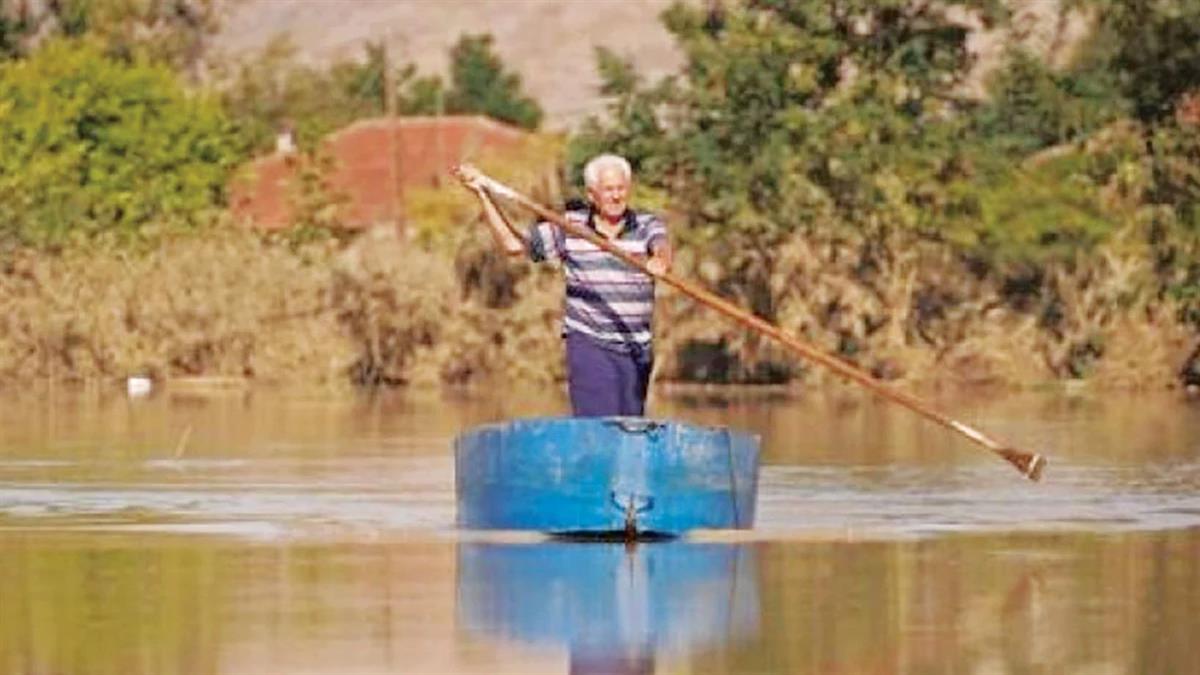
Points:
(617, 609)
(609, 305)
(584, 662)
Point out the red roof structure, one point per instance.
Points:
(374, 163)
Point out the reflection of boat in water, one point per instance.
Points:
(592, 475)
(614, 607)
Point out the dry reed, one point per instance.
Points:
(912, 311)
(391, 309)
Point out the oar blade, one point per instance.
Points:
(1029, 464)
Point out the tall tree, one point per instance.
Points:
(791, 114)
(789, 106)
(480, 84)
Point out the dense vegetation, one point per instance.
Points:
(824, 164)
(846, 124)
(95, 145)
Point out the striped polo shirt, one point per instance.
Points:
(607, 299)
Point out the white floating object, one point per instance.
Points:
(138, 386)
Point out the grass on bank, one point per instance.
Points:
(386, 309)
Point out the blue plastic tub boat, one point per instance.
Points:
(587, 476)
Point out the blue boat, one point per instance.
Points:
(592, 476)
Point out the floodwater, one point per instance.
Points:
(228, 531)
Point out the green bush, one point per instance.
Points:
(90, 144)
(1045, 214)
(1154, 47)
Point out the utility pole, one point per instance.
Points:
(389, 82)
(393, 132)
(441, 130)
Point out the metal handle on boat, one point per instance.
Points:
(635, 425)
(633, 503)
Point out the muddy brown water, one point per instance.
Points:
(268, 531)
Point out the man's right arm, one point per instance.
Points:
(507, 236)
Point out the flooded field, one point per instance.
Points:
(267, 531)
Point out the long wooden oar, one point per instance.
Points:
(1029, 464)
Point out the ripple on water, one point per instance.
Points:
(892, 501)
(198, 496)
(267, 498)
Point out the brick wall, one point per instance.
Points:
(374, 162)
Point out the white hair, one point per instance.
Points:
(599, 163)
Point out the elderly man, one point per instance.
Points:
(609, 304)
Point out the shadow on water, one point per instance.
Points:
(613, 537)
(616, 608)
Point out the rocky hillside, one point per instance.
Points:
(550, 43)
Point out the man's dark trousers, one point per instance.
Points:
(604, 382)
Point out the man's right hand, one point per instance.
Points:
(471, 178)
